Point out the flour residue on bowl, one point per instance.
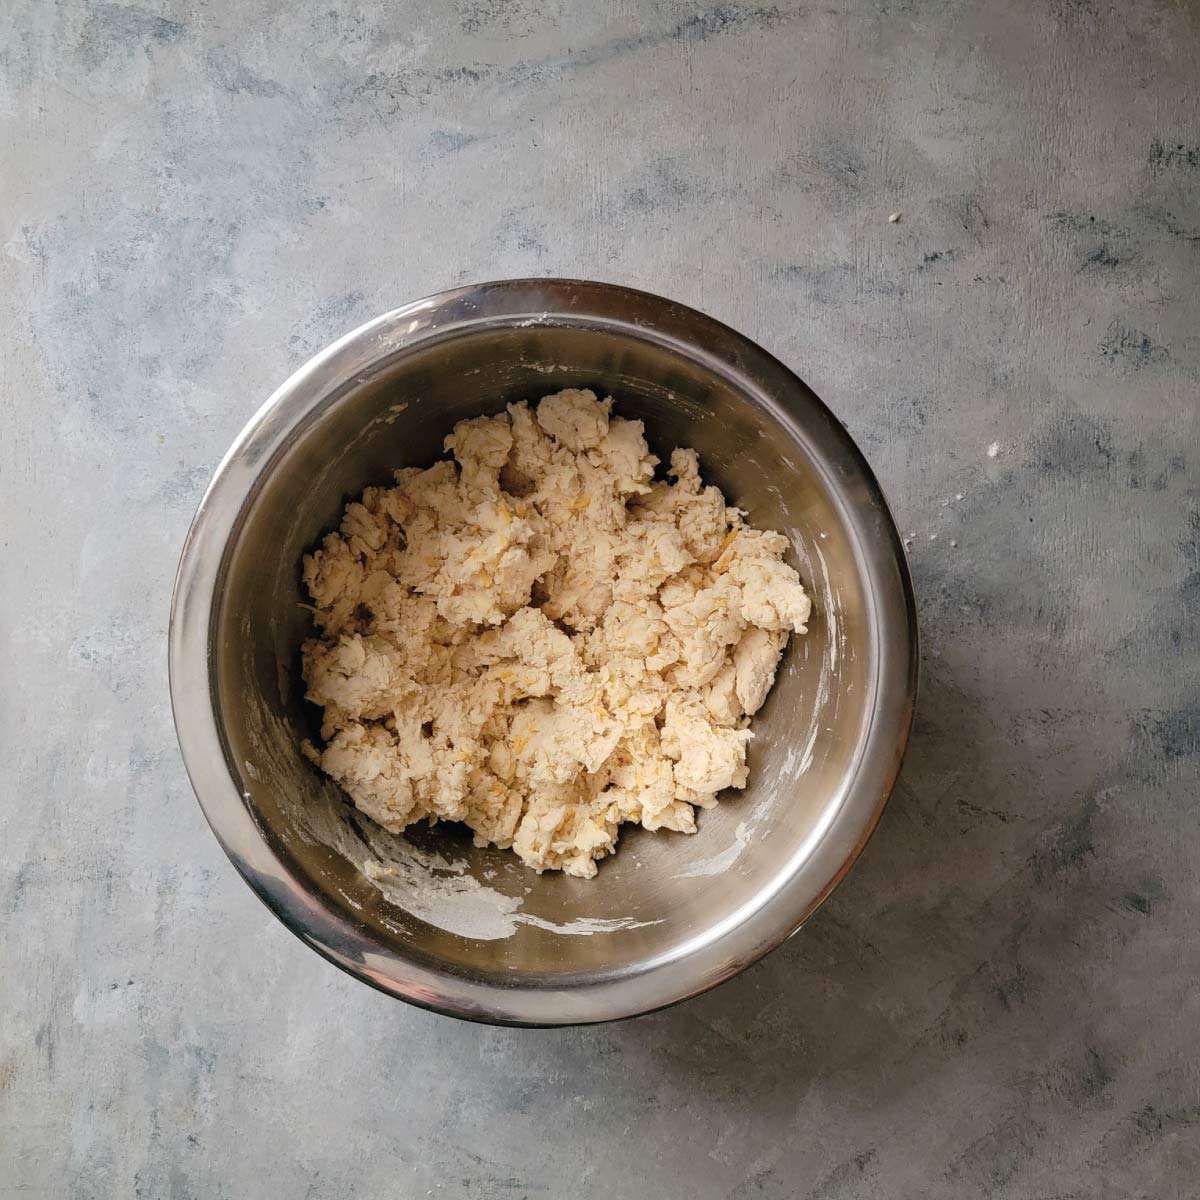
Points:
(433, 887)
(715, 864)
(440, 892)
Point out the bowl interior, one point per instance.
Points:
(430, 896)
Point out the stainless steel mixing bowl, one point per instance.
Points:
(470, 932)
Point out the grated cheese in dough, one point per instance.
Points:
(541, 641)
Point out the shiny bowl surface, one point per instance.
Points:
(470, 932)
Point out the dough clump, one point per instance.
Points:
(540, 640)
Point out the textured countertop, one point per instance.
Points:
(1002, 999)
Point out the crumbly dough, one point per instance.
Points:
(542, 641)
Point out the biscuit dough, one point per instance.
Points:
(542, 641)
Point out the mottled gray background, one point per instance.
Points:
(1002, 1000)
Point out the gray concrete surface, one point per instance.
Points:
(1002, 1000)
